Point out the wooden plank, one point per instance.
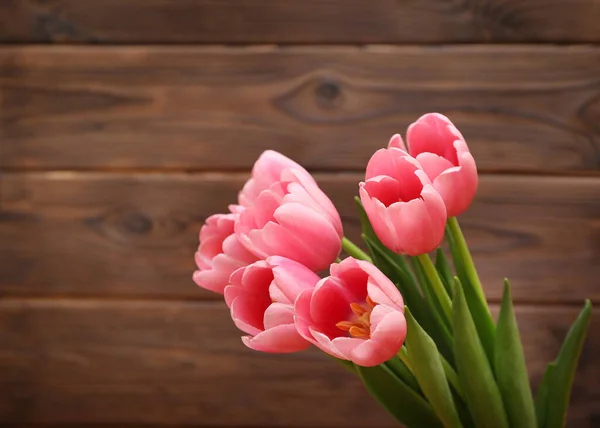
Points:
(91, 234)
(532, 109)
(288, 21)
(83, 361)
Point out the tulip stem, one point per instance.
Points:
(436, 283)
(353, 250)
(465, 255)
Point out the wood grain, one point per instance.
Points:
(289, 21)
(93, 234)
(81, 361)
(521, 108)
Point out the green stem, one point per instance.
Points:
(465, 255)
(436, 283)
(353, 250)
(403, 355)
(452, 377)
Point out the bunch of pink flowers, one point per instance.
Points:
(264, 255)
(439, 361)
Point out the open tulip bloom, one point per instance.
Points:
(416, 328)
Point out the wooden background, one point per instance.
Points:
(124, 123)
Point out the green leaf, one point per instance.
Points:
(427, 366)
(408, 407)
(510, 369)
(474, 371)
(554, 395)
(399, 368)
(541, 402)
(465, 270)
(444, 270)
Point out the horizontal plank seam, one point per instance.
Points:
(204, 301)
(246, 171)
(294, 45)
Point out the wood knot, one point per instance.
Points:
(136, 223)
(329, 94)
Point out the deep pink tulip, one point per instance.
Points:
(220, 252)
(261, 299)
(267, 170)
(355, 314)
(293, 218)
(406, 212)
(445, 157)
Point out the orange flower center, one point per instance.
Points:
(360, 326)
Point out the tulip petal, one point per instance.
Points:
(280, 339)
(290, 279)
(379, 287)
(278, 314)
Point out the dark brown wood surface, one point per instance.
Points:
(92, 234)
(307, 21)
(532, 109)
(117, 141)
(82, 361)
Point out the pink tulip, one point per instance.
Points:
(220, 252)
(355, 314)
(261, 299)
(406, 212)
(267, 170)
(293, 218)
(444, 155)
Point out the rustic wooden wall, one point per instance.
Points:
(124, 123)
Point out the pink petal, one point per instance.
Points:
(433, 165)
(321, 241)
(418, 223)
(366, 353)
(396, 141)
(280, 339)
(458, 185)
(330, 303)
(257, 278)
(302, 318)
(325, 344)
(247, 313)
(433, 133)
(352, 277)
(378, 216)
(380, 288)
(290, 279)
(278, 314)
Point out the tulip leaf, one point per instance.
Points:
(510, 369)
(476, 378)
(554, 394)
(444, 270)
(408, 407)
(541, 402)
(465, 270)
(426, 365)
(399, 368)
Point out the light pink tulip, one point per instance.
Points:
(293, 218)
(444, 156)
(267, 170)
(261, 299)
(406, 212)
(220, 252)
(355, 314)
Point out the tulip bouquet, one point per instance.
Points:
(410, 321)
